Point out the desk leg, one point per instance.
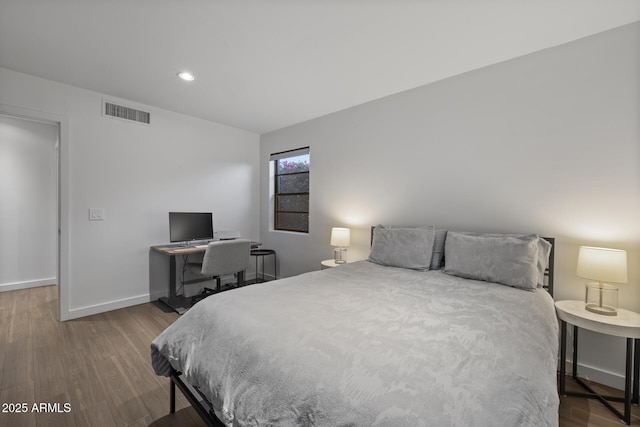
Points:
(172, 277)
(574, 361)
(627, 382)
(636, 371)
(179, 304)
(563, 355)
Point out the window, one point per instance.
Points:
(291, 190)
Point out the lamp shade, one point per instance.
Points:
(602, 264)
(340, 236)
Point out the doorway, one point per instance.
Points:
(30, 200)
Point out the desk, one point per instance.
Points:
(179, 303)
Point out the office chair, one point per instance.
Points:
(223, 257)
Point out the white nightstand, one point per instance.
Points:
(626, 324)
(330, 263)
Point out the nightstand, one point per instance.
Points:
(626, 324)
(329, 263)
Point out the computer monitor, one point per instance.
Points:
(186, 226)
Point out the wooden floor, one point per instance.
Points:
(100, 367)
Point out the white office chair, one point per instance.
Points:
(224, 257)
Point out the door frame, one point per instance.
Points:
(62, 168)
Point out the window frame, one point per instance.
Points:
(276, 157)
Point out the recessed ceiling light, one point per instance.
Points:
(185, 75)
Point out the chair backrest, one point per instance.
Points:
(226, 257)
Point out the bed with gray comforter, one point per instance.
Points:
(366, 344)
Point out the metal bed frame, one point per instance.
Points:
(199, 402)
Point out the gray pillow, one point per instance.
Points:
(509, 259)
(402, 247)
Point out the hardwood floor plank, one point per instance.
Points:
(5, 323)
(136, 364)
(19, 394)
(48, 369)
(183, 418)
(19, 326)
(126, 406)
(45, 331)
(142, 422)
(17, 366)
(3, 353)
(19, 318)
(96, 415)
(6, 300)
(53, 413)
(81, 373)
(157, 401)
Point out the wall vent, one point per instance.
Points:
(122, 112)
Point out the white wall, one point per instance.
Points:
(546, 143)
(28, 203)
(137, 173)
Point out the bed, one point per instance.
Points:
(460, 342)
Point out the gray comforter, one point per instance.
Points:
(367, 345)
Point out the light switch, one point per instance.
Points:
(96, 214)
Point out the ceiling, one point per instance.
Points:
(266, 64)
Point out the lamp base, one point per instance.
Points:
(601, 309)
(601, 298)
(339, 256)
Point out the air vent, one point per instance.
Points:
(126, 113)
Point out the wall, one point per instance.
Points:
(28, 203)
(137, 174)
(546, 143)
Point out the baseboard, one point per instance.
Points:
(600, 376)
(126, 302)
(108, 306)
(27, 284)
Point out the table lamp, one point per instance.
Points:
(603, 265)
(340, 237)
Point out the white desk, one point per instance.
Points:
(626, 324)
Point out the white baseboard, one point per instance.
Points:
(598, 375)
(126, 302)
(108, 306)
(28, 284)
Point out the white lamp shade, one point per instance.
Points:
(340, 236)
(602, 264)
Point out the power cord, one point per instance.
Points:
(185, 260)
